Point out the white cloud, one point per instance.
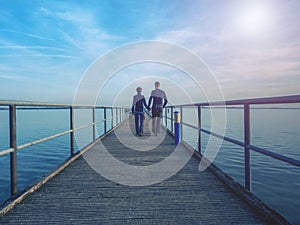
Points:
(244, 68)
(27, 34)
(39, 55)
(79, 28)
(32, 47)
(70, 39)
(12, 77)
(11, 49)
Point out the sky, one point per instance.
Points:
(252, 48)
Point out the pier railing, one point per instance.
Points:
(246, 144)
(115, 118)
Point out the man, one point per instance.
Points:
(159, 102)
(138, 110)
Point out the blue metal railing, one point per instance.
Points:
(245, 103)
(120, 116)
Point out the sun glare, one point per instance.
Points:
(253, 19)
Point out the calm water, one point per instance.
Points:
(276, 183)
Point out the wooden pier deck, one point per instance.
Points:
(79, 195)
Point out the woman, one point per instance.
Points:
(138, 110)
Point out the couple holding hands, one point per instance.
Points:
(158, 99)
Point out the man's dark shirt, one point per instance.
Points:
(157, 96)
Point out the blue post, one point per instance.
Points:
(177, 127)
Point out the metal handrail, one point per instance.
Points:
(43, 104)
(246, 143)
(7, 151)
(120, 116)
(254, 101)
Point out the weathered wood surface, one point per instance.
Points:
(79, 195)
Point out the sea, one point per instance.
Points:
(275, 129)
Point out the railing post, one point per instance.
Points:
(117, 116)
(199, 130)
(105, 122)
(172, 120)
(246, 148)
(181, 121)
(121, 114)
(72, 132)
(13, 144)
(94, 124)
(166, 115)
(112, 117)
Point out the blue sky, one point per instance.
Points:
(252, 47)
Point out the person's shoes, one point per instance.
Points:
(140, 134)
(156, 134)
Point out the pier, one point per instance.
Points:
(76, 194)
